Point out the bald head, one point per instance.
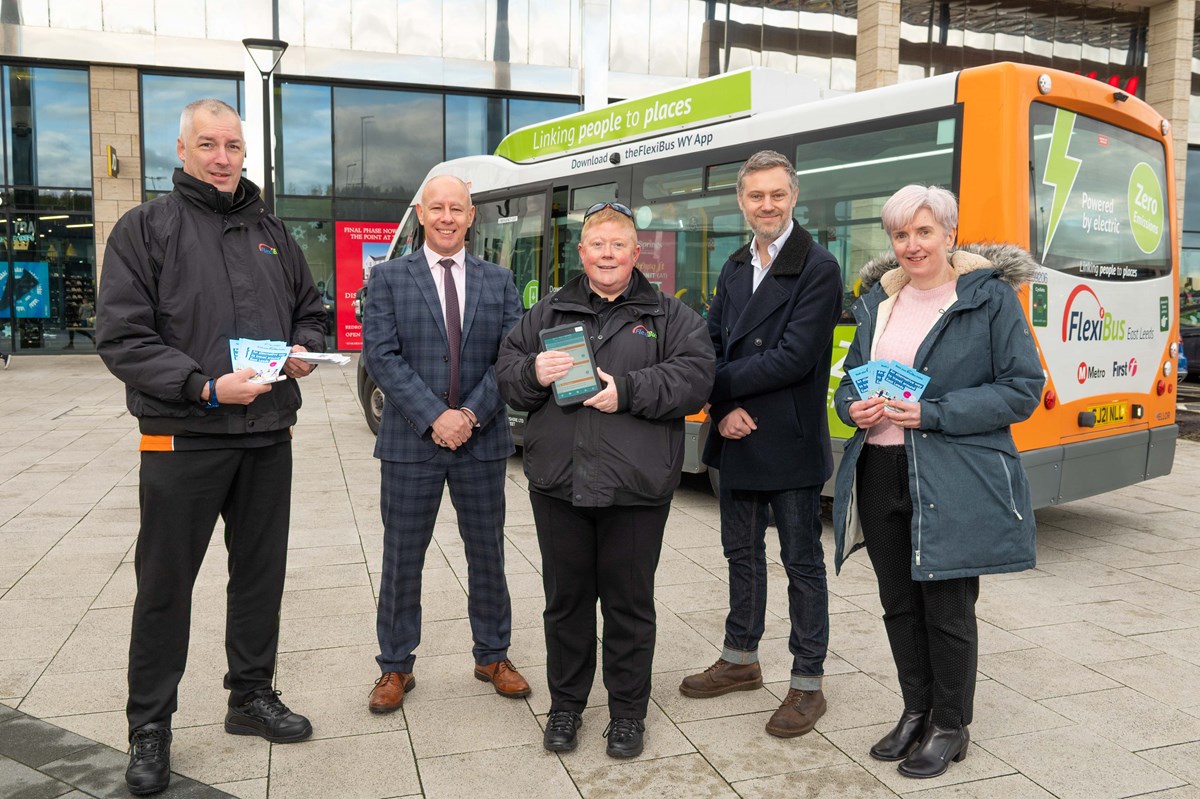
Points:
(446, 183)
(446, 214)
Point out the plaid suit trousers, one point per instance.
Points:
(410, 496)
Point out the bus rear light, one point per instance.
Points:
(1161, 387)
(1051, 400)
(1170, 388)
(1137, 411)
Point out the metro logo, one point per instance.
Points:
(1085, 372)
(1088, 324)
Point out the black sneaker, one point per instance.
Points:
(562, 731)
(266, 716)
(149, 759)
(624, 737)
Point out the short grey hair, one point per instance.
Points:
(768, 159)
(903, 206)
(209, 104)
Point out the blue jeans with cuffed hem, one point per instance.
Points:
(743, 537)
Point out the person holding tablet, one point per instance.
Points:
(607, 367)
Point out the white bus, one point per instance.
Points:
(1074, 170)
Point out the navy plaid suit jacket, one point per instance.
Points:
(405, 347)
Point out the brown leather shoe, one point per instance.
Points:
(389, 690)
(798, 714)
(504, 677)
(720, 678)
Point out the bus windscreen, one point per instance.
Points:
(1098, 205)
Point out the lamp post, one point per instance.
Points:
(266, 54)
(362, 155)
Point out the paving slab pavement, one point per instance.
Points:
(1089, 668)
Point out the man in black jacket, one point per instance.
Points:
(184, 274)
(771, 321)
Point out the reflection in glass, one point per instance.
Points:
(509, 232)
(474, 125)
(522, 112)
(315, 237)
(49, 142)
(306, 166)
(384, 141)
(163, 99)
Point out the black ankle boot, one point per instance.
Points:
(903, 737)
(932, 756)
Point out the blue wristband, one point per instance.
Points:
(212, 395)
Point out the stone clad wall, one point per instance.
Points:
(115, 123)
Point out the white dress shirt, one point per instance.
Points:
(458, 272)
(760, 271)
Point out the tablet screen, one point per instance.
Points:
(581, 379)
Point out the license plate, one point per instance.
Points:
(1110, 414)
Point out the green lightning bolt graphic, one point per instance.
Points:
(1061, 170)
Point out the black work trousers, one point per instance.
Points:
(609, 554)
(930, 624)
(181, 495)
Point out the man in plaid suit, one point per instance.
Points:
(432, 328)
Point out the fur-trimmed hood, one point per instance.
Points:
(1014, 265)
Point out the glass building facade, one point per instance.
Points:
(47, 271)
(363, 109)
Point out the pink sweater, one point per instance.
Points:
(913, 316)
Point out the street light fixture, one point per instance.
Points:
(266, 54)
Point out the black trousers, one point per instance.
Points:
(609, 554)
(182, 494)
(930, 624)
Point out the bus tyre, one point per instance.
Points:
(372, 402)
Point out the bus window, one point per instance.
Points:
(1098, 208)
(409, 236)
(686, 241)
(672, 184)
(584, 198)
(509, 232)
(723, 176)
(845, 180)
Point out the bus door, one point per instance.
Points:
(510, 230)
(571, 199)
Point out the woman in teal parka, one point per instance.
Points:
(935, 488)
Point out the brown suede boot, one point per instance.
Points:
(721, 678)
(798, 714)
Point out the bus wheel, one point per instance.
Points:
(372, 402)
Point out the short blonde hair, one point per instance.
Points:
(903, 206)
(608, 215)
